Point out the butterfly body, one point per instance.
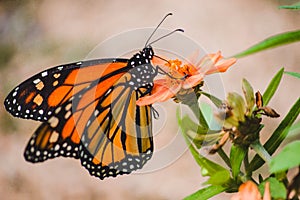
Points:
(88, 112)
(142, 72)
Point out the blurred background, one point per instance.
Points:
(38, 34)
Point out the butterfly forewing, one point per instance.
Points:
(61, 134)
(38, 97)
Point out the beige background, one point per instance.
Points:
(35, 35)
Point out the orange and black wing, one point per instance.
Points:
(99, 124)
(53, 138)
(117, 138)
(38, 97)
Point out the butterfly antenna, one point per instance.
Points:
(176, 30)
(161, 58)
(157, 28)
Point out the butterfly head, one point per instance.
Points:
(143, 57)
(147, 52)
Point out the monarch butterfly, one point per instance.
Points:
(88, 112)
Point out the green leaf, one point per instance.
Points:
(198, 113)
(190, 129)
(277, 188)
(261, 151)
(203, 139)
(287, 158)
(293, 6)
(197, 133)
(295, 74)
(206, 193)
(278, 136)
(249, 95)
(208, 114)
(237, 155)
(218, 102)
(272, 87)
(295, 129)
(271, 42)
(219, 178)
(208, 167)
(189, 124)
(237, 103)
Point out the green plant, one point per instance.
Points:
(240, 121)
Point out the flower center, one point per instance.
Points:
(178, 70)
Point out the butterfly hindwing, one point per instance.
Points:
(46, 143)
(118, 139)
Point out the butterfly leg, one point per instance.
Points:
(145, 92)
(159, 70)
(155, 113)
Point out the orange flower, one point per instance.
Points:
(249, 191)
(182, 77)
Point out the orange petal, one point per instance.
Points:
(192, 69)
(215, 57)
(158, 61)
(161, 81)
(221, 66)
(202, 61)
(169, 94)
(205, 64)
(247, 191)
(209, 58)
(192, 81)
(160, 93)
(267, 195)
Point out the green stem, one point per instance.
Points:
(261, 151)
(246, 162)
(225, 158)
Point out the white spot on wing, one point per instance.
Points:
(56, 148)
(36, 81)
(96, 112)
(45, 73)
(68, 114)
